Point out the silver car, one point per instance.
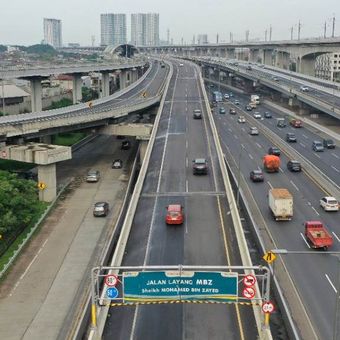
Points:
(93, 176)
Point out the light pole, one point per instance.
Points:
(238, 178)
(336, 332)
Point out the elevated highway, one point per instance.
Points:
(140, 95)
(319, 97)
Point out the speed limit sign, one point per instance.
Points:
(111, 280)
(268, 307)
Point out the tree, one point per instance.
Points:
(3, 48)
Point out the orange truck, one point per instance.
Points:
(317, 235)
(271, 163)
(297, 123)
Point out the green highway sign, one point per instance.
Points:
(180, 285)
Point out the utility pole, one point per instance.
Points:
(333, 27)
(324, 29)
(247, 35)
(291, 32)
(265, 35)
(182, 41)
(194, 40)
(270, 32)
(299, 29)
(93, 39)
(168, 36)
(231, 37)
(217, 38)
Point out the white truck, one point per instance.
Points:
(254, 98)
(281, 204)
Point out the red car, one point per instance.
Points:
(174, 214)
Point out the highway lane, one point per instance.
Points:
(314, 275)
(205, 237)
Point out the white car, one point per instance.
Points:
(329, 203)
(241, 119)
(254, 131)
(257, 115)
(181, 64)
(304, 88)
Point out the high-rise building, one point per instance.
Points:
(52, 32)
(138, 29)
(113, 29)
(152, 29)
(145, 29)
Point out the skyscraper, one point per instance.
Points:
(52, 32)
(145, 29)
(138, 29)
(113, 29)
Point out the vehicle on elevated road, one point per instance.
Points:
(328, 144)
(257, 115)
(200, 166)
(254, 131)
(317, 146)
(317, 235)
(274, 150)
(174, 214)
(290, 137)
(101, 209)
(271, 163)
(329, 203)
(281, 204)
(297, 123)
(241, 119)
(294, 166)
(93, 176)
(256, 175)
(197, 114)
(232, 111)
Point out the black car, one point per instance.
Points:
(281, 123)
(248, 108)
(294, 166)
(101, 209)
(256, 175)
(290, 137)
(232, 111)
(197, 114)
(126, 145)
(328, 144)
(273, 150)
(267, 115)
(200, 166)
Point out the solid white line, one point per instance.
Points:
(28, 267)
(294, 185)
(186, 186)
(303, 145)
(270, 185)
(305, 240)
(331, 283)
(250, 156)
(186, 162)
(186, 144)
(336, 156)
(315, 211)
(333, 167)
(336, 236)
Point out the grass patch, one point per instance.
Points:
(68, 139)
(14, 246)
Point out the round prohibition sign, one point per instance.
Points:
(248, 292)
(268, 307)
(111, 280)
(249, 280)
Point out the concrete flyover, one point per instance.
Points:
(275, 53)
(125, 69)
(101, 112)
(323, 99)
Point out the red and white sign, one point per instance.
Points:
(111, 280)
(249, 280)
(248, 292)
(268, 307)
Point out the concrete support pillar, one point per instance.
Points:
(282, 60)
(77, 85)
(142, 149)
(47, 176)
(254, 55)
(123, 80)
(267, 57)
(134, 75)
(307, 66)
(36, 92)
(105, 84)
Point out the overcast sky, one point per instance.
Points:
(21, 21)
